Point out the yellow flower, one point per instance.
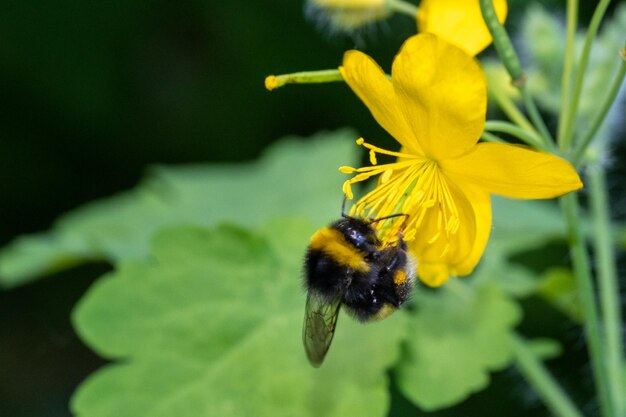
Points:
(347, 15)
(460, 22)
(434, 106)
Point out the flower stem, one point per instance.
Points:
(306, 77)
(403, 7)
(507, 105)
(581, 146)
(521, 134)
(568, 64)
(540, 378)
(534, 114)
(607, 284)
(507, 53)
(489, 137)
(572, 106)
(569, 205)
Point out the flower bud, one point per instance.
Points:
(346, 15)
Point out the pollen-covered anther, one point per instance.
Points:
(271, 82)
(386, 175)
(434, 238)
(373, 160)
(347, 190)
(376, 149)
(346, 170)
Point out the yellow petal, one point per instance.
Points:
(433, 275)
(442, 93)
(459, 22)
(370, 84)
(436, 274)
(434, 245)
(481, 203)
(514, 171)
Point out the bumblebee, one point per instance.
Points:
(347, 264)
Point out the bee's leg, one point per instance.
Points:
(401, 242)
(393, 258)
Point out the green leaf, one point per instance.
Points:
(522, 224)
(294, 178)
(211, 325)
(457, 335)
(513, 279)
(559, 288)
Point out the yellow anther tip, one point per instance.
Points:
(373, 157)
(347, 190)
(360, 141)
(346, 170)
(271, 83)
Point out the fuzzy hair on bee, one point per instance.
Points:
(347, 265)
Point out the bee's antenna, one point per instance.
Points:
(343, 207)
(378, 219)
(389, 217)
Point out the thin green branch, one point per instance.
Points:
(535, 116)
(607, 284)
(589, 307)
(521, 134)
(489, 137)
(568, 65)
(508, 106)
(305, 77)
(572, 106)
(581, 146)
(403, 7)
(540, 378)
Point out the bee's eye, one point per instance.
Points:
(359, 239)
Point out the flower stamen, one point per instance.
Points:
(361, 142)
(413, 185)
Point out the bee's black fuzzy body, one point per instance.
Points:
(346, 264)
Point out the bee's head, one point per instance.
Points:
(357, 231)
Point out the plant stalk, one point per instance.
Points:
(542, 381)
(568, 65)
(305, 77)
(572, 106)
(607, 284)
(582, 145)
(403, 7)
(580, 259)
(511, 129)
(490, 137)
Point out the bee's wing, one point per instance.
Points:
(320, 319)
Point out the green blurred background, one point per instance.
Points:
(93, 92)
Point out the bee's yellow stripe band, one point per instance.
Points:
(332, 243)
(384, 312)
